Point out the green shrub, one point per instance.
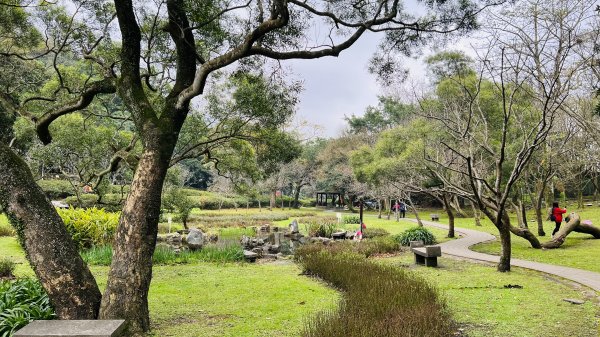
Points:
(56, 188)
(21, 302)
(372, 232)
(351, 219)
(163, 255)
(378, 300)
(416, 234)
(7, 267)
(90, 227)
(6, 230)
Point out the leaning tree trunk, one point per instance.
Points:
(53, 255)
(521, 232)
(448, 210)
(574, 225)
(415, 212)
(126, 294)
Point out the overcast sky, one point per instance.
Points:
(335, 87)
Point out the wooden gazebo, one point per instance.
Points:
(330, 199)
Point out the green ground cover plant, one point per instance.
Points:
(102, 255)
(378, 300)
(22, 301)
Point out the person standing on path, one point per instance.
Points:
(402, 209)
(556, 216)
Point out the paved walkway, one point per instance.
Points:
(460, 247)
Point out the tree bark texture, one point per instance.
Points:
(504, 264)
(574, 225)
(50, 249)
(126, 294)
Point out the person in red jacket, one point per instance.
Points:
(557, 213)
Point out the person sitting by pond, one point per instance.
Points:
(556, 216)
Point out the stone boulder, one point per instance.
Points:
(250, 256)
(195, 239)
(294, 227)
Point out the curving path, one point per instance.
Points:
(460, 248)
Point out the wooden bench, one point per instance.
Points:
(435, 217)
(76, 328)
(425, 255)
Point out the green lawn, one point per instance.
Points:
(482, 306)
(578, 251)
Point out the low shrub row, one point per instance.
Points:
(22, 301)
(56, 188)
(379, 300)
(102, 255)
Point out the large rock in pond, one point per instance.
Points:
(195, 239)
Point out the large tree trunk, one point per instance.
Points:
(272, 200)
(574, 225)
(450, 214)
(126, 294)
(297, 196)
(50, 249)
(504, 264)
(388, 205)
(378, 208)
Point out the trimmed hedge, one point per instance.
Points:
(56, 188)
(378, 300)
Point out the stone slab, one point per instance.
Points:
(73, 328)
